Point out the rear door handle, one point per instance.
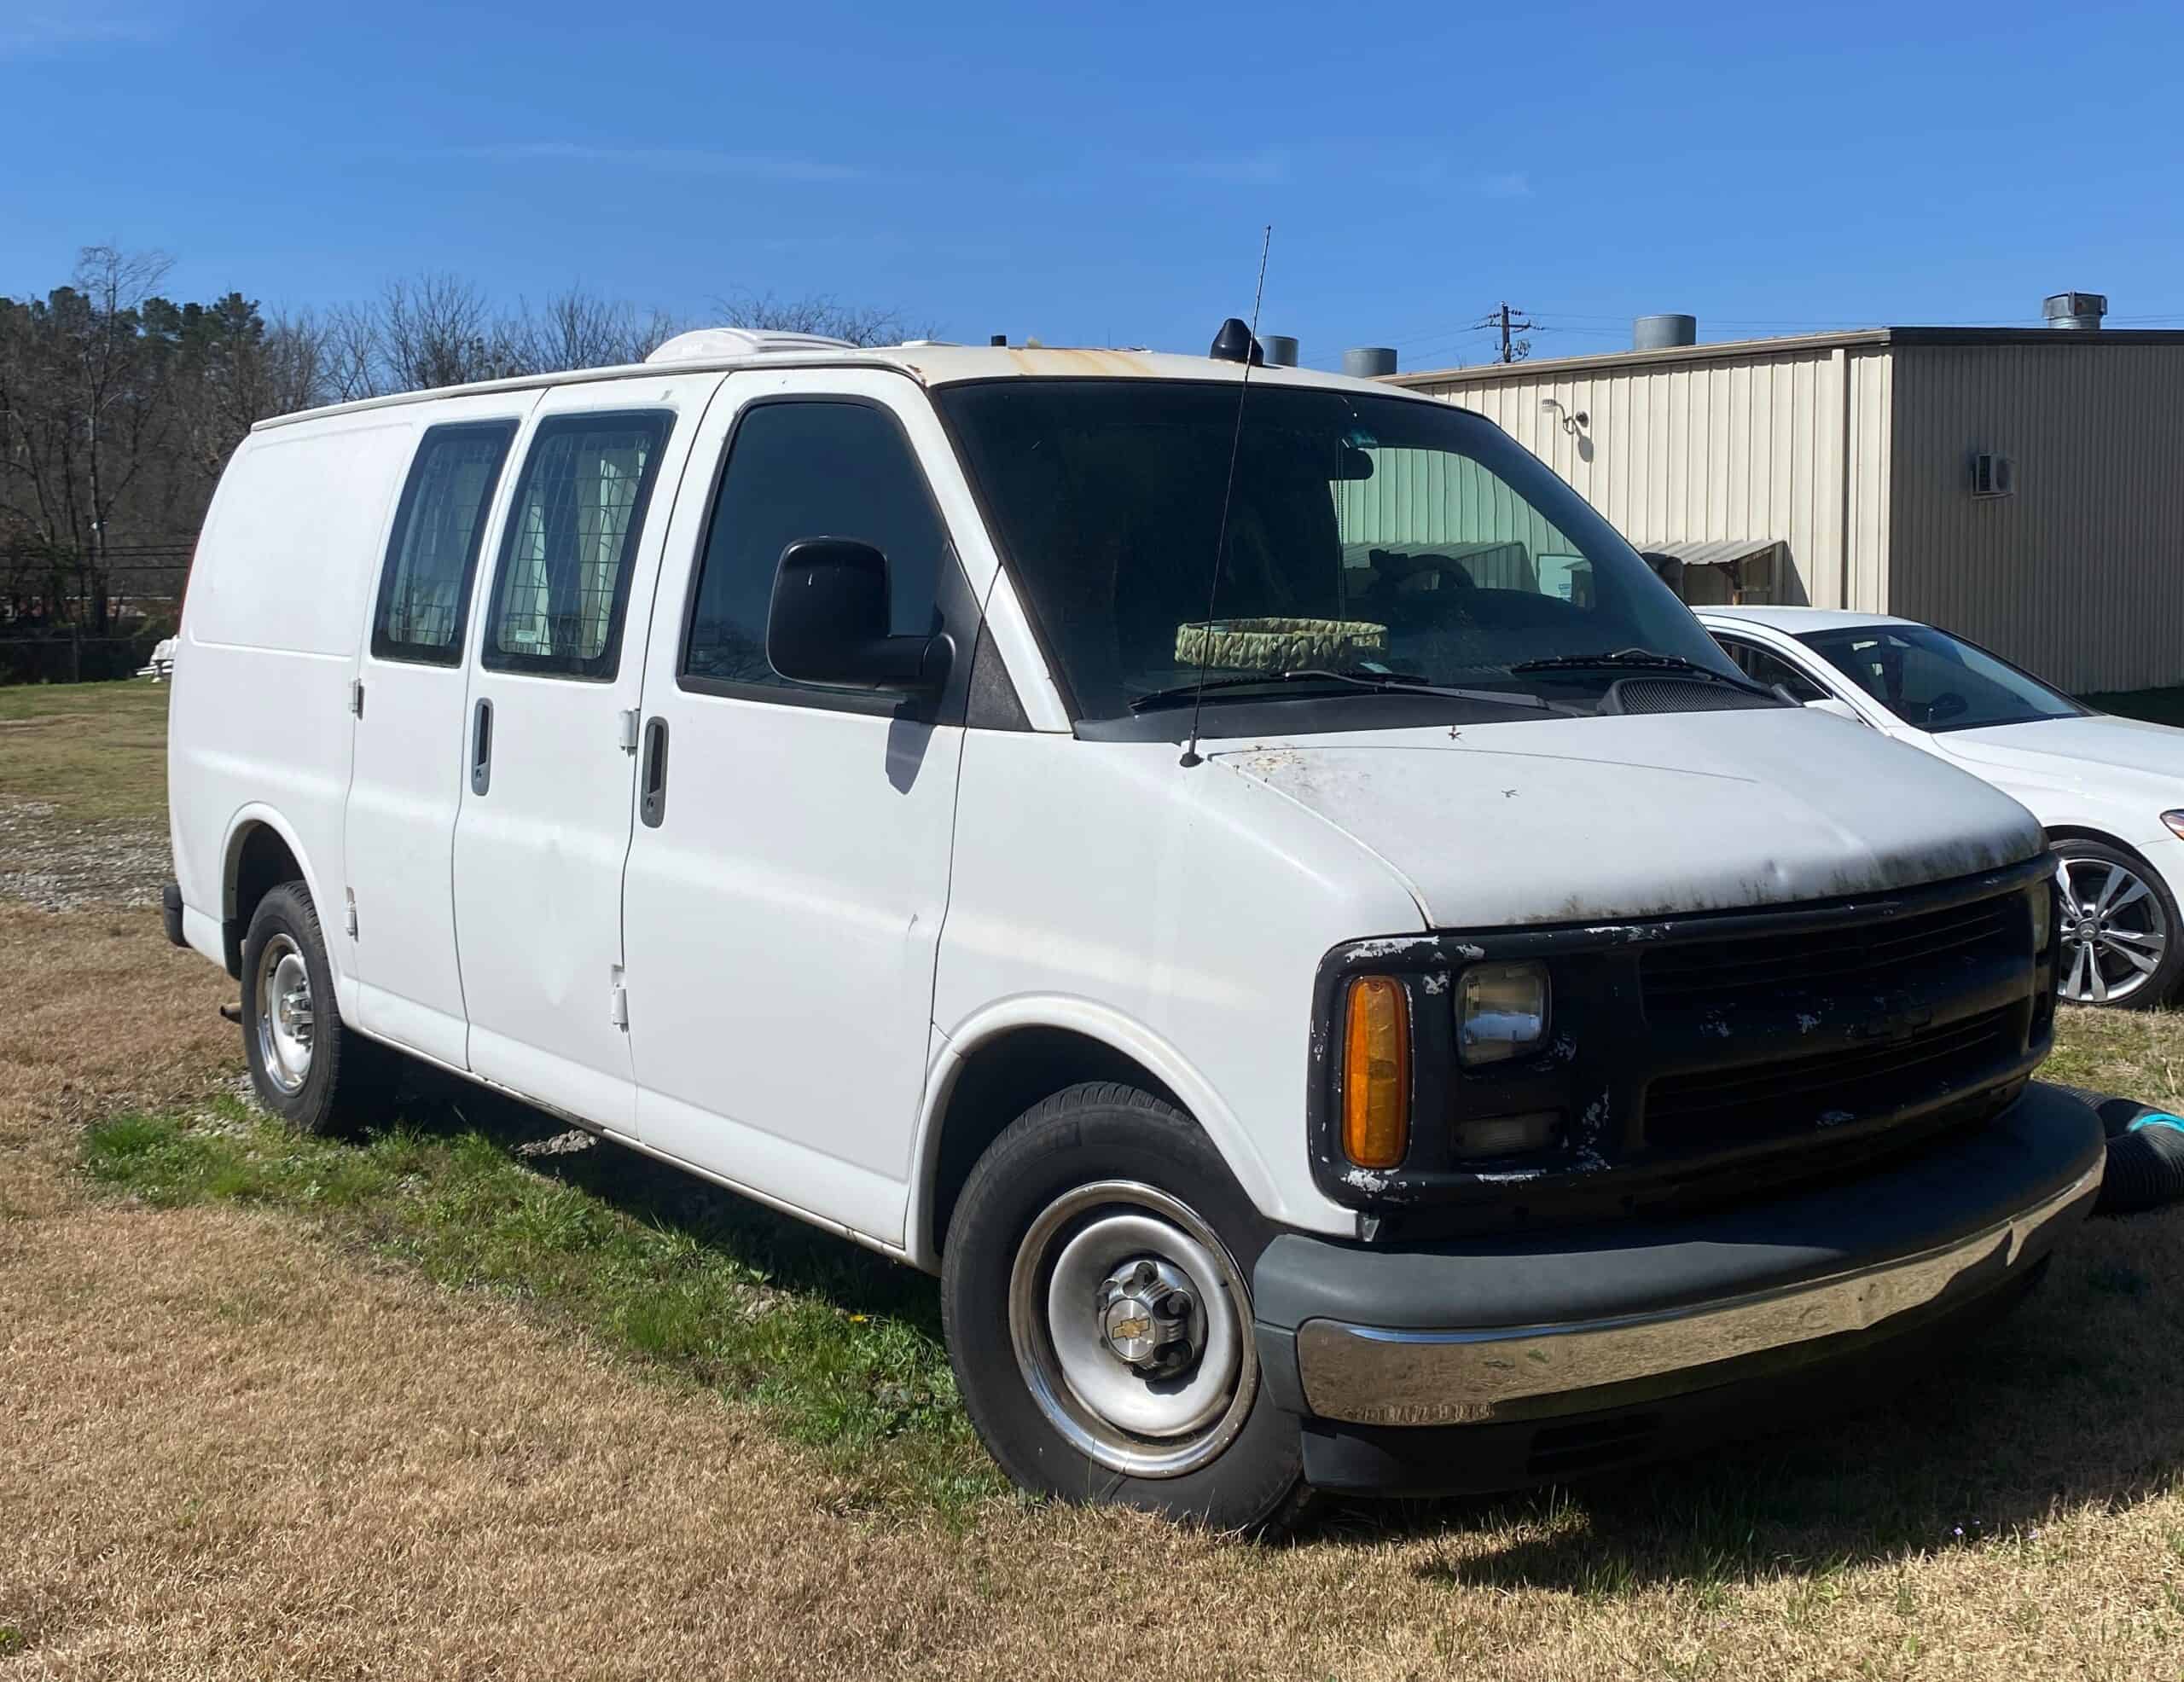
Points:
(652, 807)
(481, 747)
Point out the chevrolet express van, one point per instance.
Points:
(1241, 872)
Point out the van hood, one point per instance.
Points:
(1598, 819)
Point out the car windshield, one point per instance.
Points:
(1386, 539)
(1937, 682)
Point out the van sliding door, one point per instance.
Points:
(548, 749)
(406, 786)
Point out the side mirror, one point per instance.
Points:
(828, 623)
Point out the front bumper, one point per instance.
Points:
(1535, 1332)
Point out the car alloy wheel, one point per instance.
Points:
(2113, 930)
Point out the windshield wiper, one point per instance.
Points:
(1638, 659)
(1376, 682)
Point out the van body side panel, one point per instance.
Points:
(1185, 902)
(260, 713)
(405, 791)
(783, 916)
(541, 839)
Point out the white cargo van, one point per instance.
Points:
(1396, 1010)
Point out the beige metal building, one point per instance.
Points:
(2021, 486)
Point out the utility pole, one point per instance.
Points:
(1502, 318)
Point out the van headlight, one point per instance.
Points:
(1501, 1011)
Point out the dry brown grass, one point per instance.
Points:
(232, 1445)
(235, 1449)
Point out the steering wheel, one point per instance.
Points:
(1397, 567)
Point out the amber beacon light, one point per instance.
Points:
(1376, 1072)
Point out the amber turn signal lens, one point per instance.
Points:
(1376, 1073)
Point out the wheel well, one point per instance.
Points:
(2076, 831)
(262, 862)
(1002, 1079)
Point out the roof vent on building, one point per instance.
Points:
(726, 343)
(2080, 311)
(1663, 332)
(1280, 350)
(1369, 361)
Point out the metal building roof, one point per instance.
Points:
(1736, 349)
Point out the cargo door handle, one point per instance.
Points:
(481, 748)
(652, 807)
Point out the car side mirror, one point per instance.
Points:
(828, 623)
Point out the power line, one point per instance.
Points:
(1501, 318)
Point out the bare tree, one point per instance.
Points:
(439, 330)
(820, 313)
(85, 411)
(349, 357)
(577, 329)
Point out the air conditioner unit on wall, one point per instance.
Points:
(1993, 474)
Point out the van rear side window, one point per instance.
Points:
(563, 580)
(432, 558)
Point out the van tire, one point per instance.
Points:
(1118, 1163)
(306, 1066)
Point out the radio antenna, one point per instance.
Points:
(1249, 352)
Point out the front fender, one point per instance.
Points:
(1119, 1032)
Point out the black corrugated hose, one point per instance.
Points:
(2146, 1153)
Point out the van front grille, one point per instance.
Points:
(1703, 977)
(1766, 1099)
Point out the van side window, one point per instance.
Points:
(431, 557)
(808, 467)
(562, 584)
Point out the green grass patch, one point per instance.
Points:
(96, 750)
(838, 1348)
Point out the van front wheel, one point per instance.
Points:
(307, 1068)
(1096, 1292)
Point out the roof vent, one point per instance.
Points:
(2078, 311)
(1280, 350)
(1369, 361)
(731, 344)
(1663, 332)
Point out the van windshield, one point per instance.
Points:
(1375, 538)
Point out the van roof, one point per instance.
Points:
(930, 364)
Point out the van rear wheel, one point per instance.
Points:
(1096, 1293)
(306, 1066)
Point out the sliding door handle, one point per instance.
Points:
(652, 807)
(481, 747)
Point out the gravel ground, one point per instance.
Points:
(57, 864)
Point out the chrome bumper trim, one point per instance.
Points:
(1376, 1376)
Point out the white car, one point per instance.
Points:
(1181, 848)
(2111, 791)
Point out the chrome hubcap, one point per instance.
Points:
(1149, 1319)
(2114, 934)
(1130, 1322)
(285, 1021)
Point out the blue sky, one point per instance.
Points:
(1100, 174)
